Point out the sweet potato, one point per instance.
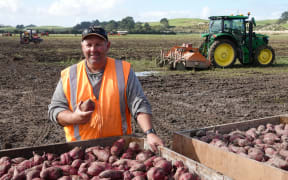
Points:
(270, 138)
(112, 174)
(178, 164)
(270, 151)
(127, 175)
(17, 175)
(144, 155)
(65, 158)
(127, 155)
(37, 159)
(149, 162)
(65, 178)
(179, 172)
(4, 166)
(76, 163)
(76, 153)
(118, 147)
(102, 154)
(68, 170)
(279, 129)
(6, 176)
(139, 173)
(26, 164)
(138, 167)
(256, 154)
(165, 165)
(283, 153)
(95, 169)
(112, 159)
(32, 174)
(17, 160)
(236, 149)
(139, 178)
(90, 157)
(134, 146)
(51, 173)
(252, 132)
(155, 173)
(4, 158)
(83, 176)
(87, 105)
(49, 156)
(188, 176)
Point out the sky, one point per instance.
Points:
(68, 13)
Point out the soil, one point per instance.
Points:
(180, 101)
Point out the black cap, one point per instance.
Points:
(95, 31)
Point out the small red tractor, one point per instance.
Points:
(29, 36)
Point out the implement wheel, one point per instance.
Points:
(223, 53)
(264, 56)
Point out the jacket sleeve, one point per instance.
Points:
(137, 101)
(58, 103)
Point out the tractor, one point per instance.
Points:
(229, 38)
(29, 36)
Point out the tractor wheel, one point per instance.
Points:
(179, 66)
(25, 40)
(264, 56)
(222, 53)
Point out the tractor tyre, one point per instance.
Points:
(223, 53)
(264, 56)
(180, 66)
(26, 41)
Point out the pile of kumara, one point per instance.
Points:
(266, 143)
(95, 163)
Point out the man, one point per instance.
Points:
(112, 86)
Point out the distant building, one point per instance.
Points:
(122, 32)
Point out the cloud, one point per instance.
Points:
(9, 5)
(154, 15)
(81, 7)
(205, 13)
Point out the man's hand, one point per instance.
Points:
(154, 141)
(81, 117)
(77, 117)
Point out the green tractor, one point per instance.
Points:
(232, 37)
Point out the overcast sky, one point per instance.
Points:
(68, 13)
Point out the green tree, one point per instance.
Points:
(164, 22)
(283, 18)
(147, 27)
(127, 23)
(111, 26)
(20, 26)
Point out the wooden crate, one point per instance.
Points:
(228, 163)
(204, 172)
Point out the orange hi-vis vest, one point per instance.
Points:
(111, 116)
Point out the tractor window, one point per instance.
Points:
(215, 26)
(227, 25)
(238, 26)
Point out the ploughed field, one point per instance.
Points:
(180, 100)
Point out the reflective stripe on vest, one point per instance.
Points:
(73, 85)
(121, 83)
(121, 86)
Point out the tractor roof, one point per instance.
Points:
(228, 17)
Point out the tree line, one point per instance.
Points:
(126, 24)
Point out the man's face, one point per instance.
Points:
(95, 49)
